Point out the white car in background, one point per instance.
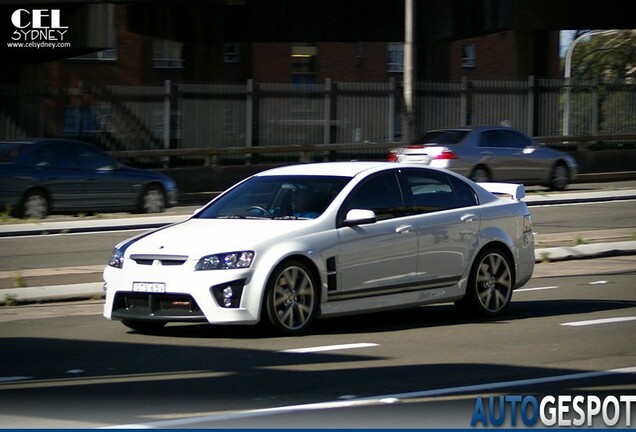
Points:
(295, 243)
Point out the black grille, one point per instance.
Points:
(165, 260)
(173, 307)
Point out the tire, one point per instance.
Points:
(153, 200)
(480, 174)
(559, 177)
(291, 299)
(35, 204)
(490, 285)
(144, 326)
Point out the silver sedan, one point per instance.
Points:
(490, 153)
(295, 243)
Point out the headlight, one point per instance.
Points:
(117, 258)
(226, 261)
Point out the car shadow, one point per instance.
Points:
(430, 316)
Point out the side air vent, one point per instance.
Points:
(332, 281)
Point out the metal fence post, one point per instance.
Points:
(391, 113)
(249, 117)
(166, 120)
(463, 101)
(531, 103)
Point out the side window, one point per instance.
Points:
(380, 193)
(93, 159)
(514, 140)
(466, 196)
(492, 138)
(429, 191)
(55, 155)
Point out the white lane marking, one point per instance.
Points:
(375, 400)
(600, 282)
(537, 288)
(599, 321)
(329, 348)
(14, 378)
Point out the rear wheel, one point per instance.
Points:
(153, 200)
(291, 299)
(34, 205)
(490, 284)
(480, 174)
(559, 177)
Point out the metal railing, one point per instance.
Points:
(333, 152)
(259, 115)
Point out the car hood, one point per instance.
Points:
(199, 237)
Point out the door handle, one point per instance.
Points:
(468, 217)
(403, 229)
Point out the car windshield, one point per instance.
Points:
(442, 137)
(10, 151)
(276, 197)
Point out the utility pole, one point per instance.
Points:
(567, 72)
(408, 130)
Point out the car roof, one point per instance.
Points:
(342, 169)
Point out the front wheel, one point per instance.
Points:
(490, 284)
(291, 299)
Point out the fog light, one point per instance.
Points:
(228, 295)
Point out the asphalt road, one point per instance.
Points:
(64, 366)
(86, 249)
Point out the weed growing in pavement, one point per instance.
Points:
(18, 281)
(545, 256)
(578, 240)
(10, 300)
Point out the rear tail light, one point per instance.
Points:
(393, 156)
(446, 155)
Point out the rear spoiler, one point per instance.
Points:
(514, 191)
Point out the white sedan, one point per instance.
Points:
(295, 243)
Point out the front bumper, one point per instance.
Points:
(189, 296)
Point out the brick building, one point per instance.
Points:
(142, 60)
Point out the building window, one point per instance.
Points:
(103, 55)
(229, 122)
(303, 59)
(395, 57)
(469, 57)
(231, 52)
(167, 54)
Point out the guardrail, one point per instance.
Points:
(211, 156)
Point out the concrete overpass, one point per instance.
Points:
(438, 22)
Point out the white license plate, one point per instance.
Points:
(151, 287)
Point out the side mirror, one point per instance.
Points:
(359, 217)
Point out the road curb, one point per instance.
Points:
(94, 290)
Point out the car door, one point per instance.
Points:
(381, 257)
(498, 155)
(447, 224)
(105, 187)
(56, 170)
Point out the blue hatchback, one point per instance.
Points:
(43, 176)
